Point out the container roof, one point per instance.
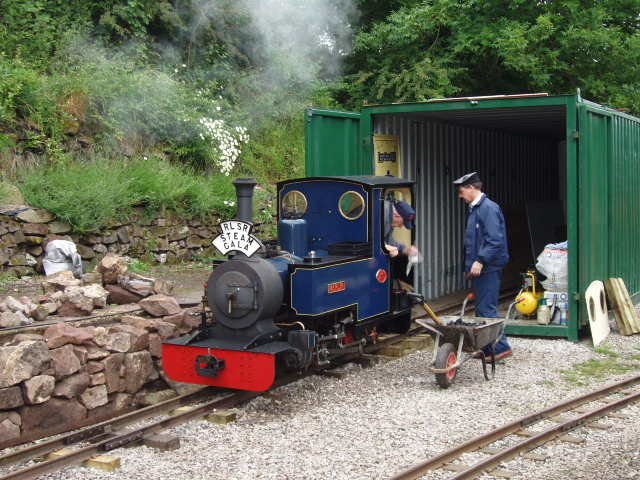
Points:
(540, 121)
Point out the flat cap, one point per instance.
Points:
(407, 213)
(472, 177)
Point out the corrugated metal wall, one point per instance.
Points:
(514, 168)
(624, 201)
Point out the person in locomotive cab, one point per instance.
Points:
(402, 215)
(486, 251)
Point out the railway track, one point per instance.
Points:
(528, 433)
(111, 434)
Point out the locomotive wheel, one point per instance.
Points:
(446, 357)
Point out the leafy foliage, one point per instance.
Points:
(459, 47)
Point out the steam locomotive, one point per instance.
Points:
(326, 288)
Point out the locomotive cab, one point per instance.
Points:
(327, 289)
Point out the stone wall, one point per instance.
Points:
(170, 238)
(71, 376)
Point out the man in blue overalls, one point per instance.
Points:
(486, 251)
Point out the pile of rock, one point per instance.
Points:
(126, 287)
(63, 294)
(68, 296)
(69, 376)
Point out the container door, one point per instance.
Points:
(332, 143)
(594, 159)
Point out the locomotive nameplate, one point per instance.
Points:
(236, 235)
(336, 287)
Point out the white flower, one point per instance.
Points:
(227, 142)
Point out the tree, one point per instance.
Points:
(466, 47)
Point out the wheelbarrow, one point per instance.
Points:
(459, 339)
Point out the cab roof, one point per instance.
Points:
(365, 180)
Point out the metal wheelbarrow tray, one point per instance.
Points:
(457, 343)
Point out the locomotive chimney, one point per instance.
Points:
(244, 194)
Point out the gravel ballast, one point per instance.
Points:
(376, 422)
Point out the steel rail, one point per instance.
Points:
(543, 437)
(101, 428)
(105, 427)
(481, 441)
(119, 440)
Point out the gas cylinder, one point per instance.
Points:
(528, 297)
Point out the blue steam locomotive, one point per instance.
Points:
(326, 288)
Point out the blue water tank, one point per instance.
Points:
(293, 236)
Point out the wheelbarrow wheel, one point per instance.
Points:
(446, 357)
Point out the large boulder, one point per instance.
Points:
(56, 413)
(94, 397)
(138, 368)
(95, 353)
(139, 337)
(114, 341)
(15, 305)
(35, 215)
(23, 361)
(65, 361)
(155, 345)
(77, 297)
(111, 267)
(121, 296)
(160, 305)
(60, 281)
(43, 310)
(10, 398)
(72, 386)
(113, 365)
(13, 319)
(97, 294)
(97, 379)
(9, 430)
(62, 334)
(35, 229)
(94, 367)
(38, 389)
(164, 329)
(118, 403)
(137, 284)
(69, 310)
(57, 227)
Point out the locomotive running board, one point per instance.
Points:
(253, 371)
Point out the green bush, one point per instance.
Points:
(276, 151)
(89, 195)
(85, 195)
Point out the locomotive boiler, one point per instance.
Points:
(325, 288)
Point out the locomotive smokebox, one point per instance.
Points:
(244, 195)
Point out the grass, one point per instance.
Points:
(595, 369)
(6, 279)
(607, 350)
(90, 194)
(139, 266)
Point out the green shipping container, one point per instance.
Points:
(561, 167)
